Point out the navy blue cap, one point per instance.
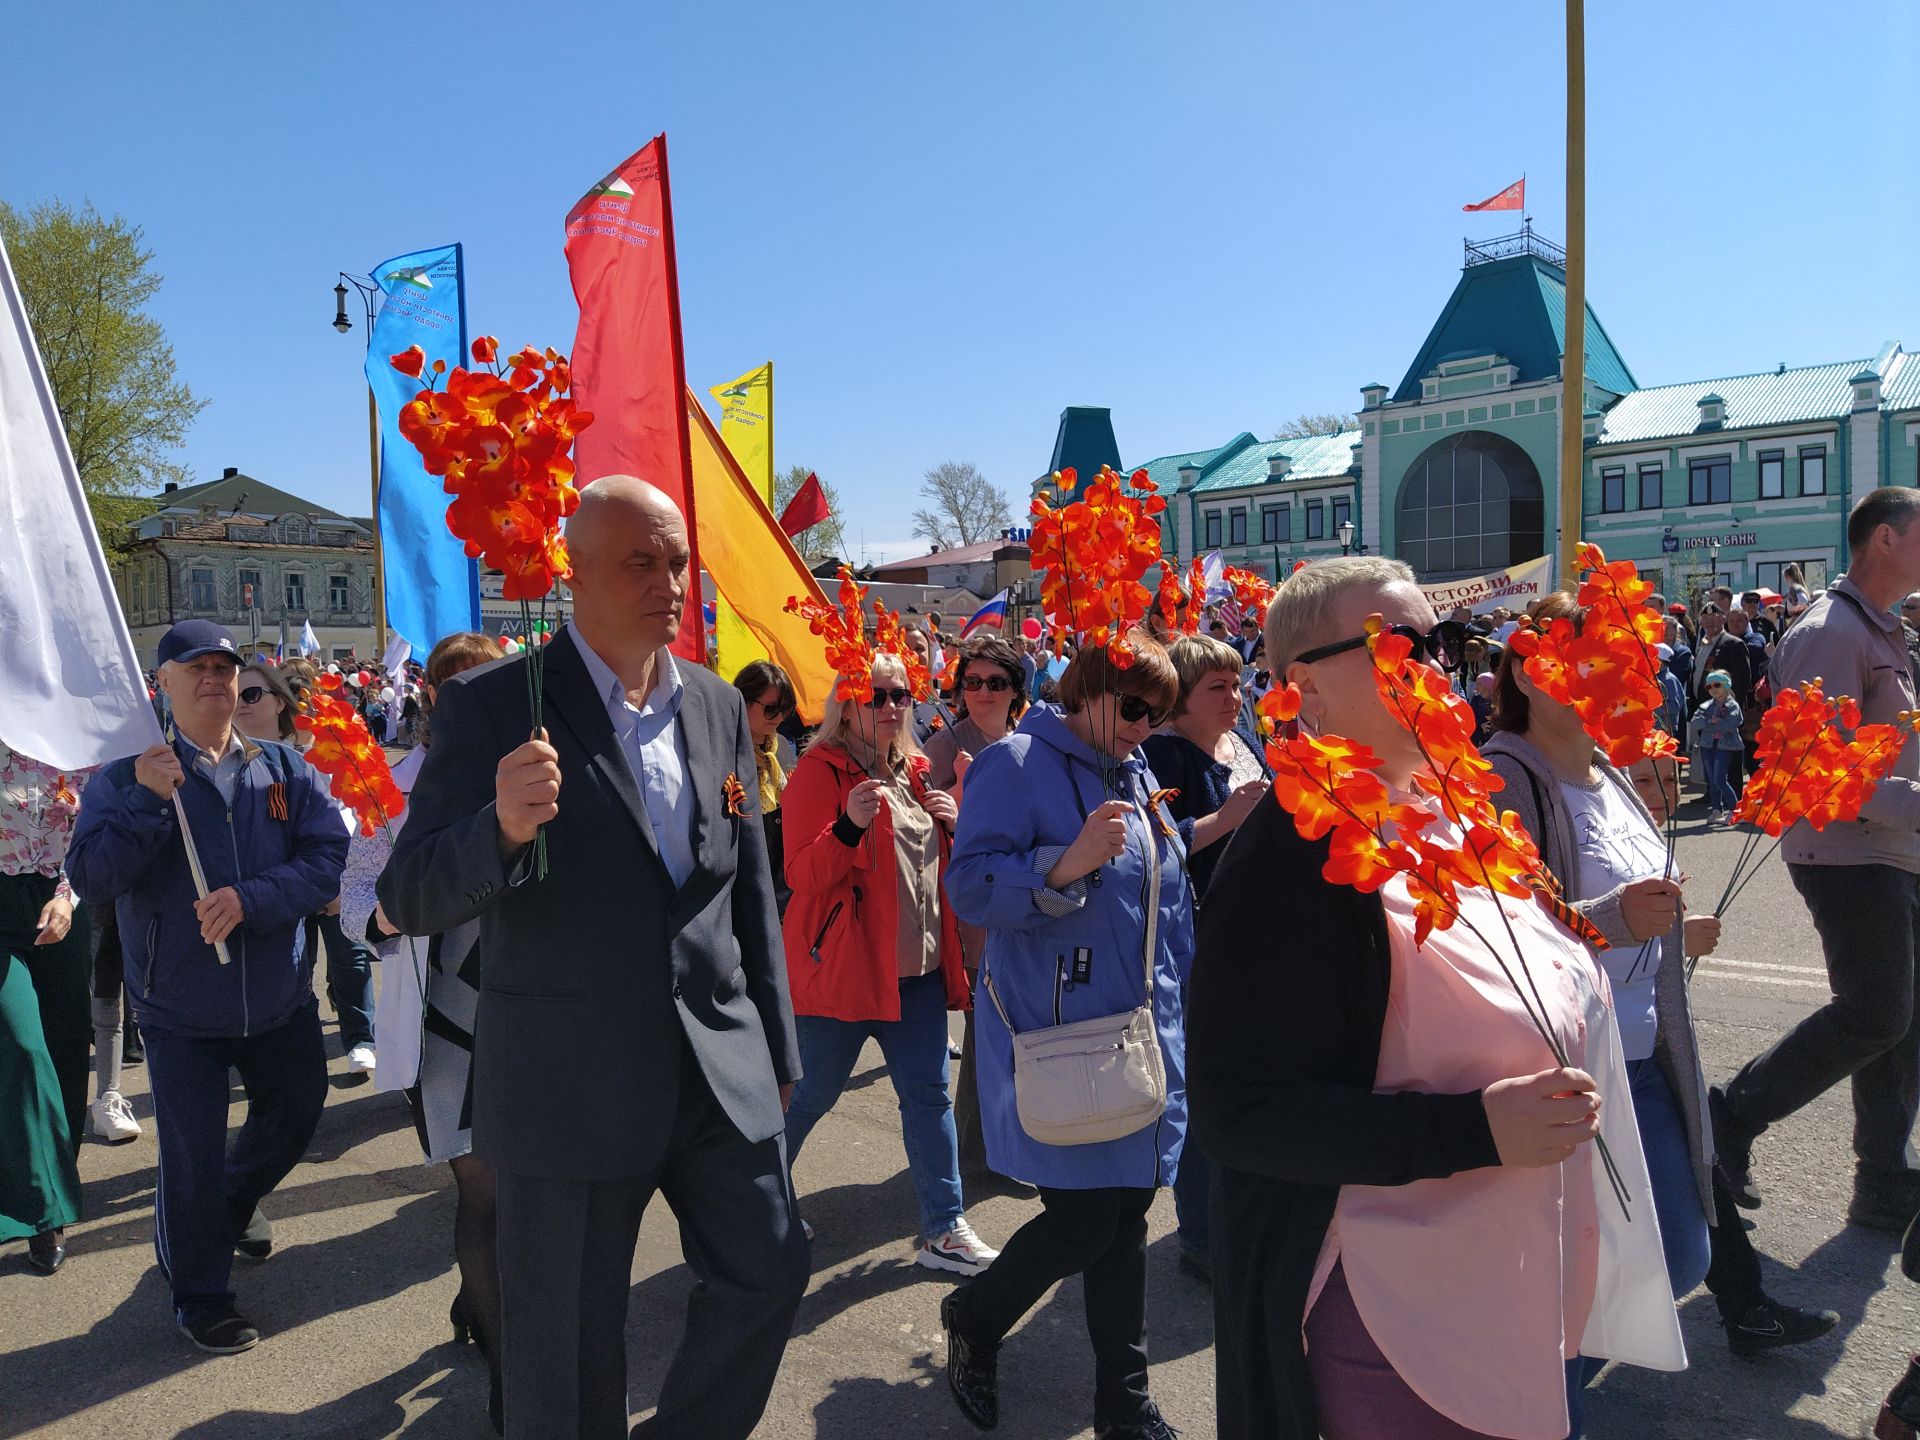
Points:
(191, 639)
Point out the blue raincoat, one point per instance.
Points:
(1060, 956)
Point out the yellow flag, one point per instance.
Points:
(746, 428)
(754, 566)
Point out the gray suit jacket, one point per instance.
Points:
(595, 978)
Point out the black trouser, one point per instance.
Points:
(61, 973)
(1867, 917)
(1733, 1269)
(566, 1261)
(349, 979)
(1100, 1235)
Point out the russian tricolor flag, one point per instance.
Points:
(990, 616)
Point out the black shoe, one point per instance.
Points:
(256, 1240)
(47, 1251)
(1150, 1426)
(461, 1320)
(973, 1371)
(1768, 1325)
(222, 1332)
(1891, 1210)
(1733, 1160)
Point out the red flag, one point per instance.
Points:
(1514, 197)
(628, 369)
(807, 508)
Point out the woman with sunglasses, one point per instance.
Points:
(770, 700)
(990, 686)
(1060, 852)
(1402, 1171)
(265, 712)
(872, 951)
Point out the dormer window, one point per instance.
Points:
(1713, 410)
(1278, 466)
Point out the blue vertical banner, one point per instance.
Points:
(433, 588)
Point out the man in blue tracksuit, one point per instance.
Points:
(272, 848)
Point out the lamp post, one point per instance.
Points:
(1345, 531)
(370, 306)
(1713, 565)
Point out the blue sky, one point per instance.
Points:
(946, 223)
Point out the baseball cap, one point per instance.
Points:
(1665, 652)
(191, 639)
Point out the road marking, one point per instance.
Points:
(1721, 974)
(1819, 970)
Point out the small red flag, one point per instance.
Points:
(1514, 197)
(807, 508)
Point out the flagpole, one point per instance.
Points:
(379, 559)
(1573, 402)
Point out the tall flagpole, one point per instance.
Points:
(379, 559)
(1573, 404)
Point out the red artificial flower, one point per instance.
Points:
(410, 361)
(346, 753)
(844, 629)
(1092, 553)
(485, 349)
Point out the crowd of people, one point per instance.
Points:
(676, 893)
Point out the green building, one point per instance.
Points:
(1456, 469)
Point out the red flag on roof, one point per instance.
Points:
(807, 508)
(1514, 197)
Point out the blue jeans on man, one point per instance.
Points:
(915, 1049)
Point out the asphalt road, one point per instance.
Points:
(353, 1302)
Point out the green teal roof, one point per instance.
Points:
(1085, 441)
(1900, 389)
(1243, 461)
(1777, 397)
(1165, 472)
(1517, 308)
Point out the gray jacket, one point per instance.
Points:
(1533, 792)
(1857, 650)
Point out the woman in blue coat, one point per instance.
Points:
(1057, 829)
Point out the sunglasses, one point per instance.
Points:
(253, 694)
(774, 709)
(883, 698)
(1133, 710)
(993, 683)
(1443, 645)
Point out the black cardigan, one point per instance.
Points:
(1284, 1017)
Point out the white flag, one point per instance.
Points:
(399, 651)
(309, 642)
(74, 691)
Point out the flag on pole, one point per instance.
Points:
(628, 368)
(746, 429)
(309, 642)
(74, 691)
(1213, 569)
(990, 616)
(755, 567)
(432, 586)
(808, 507)
(1514, 197)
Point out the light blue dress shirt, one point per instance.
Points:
(656, 752)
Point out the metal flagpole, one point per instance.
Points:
(1573, 392)
(379, 562)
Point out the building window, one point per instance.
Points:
(200, 590)
(1813, 474)
(1316, 520)
(296, 593)
(1613, 491)
(1212, 542)
(1652, 488)
(1710, 482)
(1469, 504)
(1342, 512)
(1237, 525)
(1773, 474)
(1276, 524)
(1767, 573)
(337, 598)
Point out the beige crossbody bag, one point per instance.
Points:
(1098, 1079)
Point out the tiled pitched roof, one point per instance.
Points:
(1310, 457)
(1778, 397)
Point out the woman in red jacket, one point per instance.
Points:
(872, 948)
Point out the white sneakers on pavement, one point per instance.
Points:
(360, 1060)
(959, 1250)
(110, 1118)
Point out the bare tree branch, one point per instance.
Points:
(963, 507)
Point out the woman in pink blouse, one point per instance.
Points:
(45, 1014)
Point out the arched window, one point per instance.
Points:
(1470, 504)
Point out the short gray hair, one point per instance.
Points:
(1297, 618)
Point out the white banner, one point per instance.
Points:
(74, 692)
(1516, 587)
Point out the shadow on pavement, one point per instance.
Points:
(379, 1408)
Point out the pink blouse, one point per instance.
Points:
(1477, 1286)
(38, 805)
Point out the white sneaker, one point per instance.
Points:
(360, 1060)
(111, 1119)
(959, 1250)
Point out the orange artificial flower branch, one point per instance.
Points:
(347, 754)
(843, 627)
(1091, 555)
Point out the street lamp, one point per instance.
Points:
(1713, 565)
(370, 295)
(1345, 531)
(340, 320)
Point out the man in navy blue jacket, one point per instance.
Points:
(272, 847)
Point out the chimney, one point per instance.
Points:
(229, 472)
(1277, 467)
(170, 487)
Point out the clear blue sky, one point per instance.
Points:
(945, 223)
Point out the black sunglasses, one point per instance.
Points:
(252, 694)
(994, 683)
(775, 709)
(1442, 645)
(1133, 710)
(890, 697)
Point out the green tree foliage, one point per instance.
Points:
(827, 540)
(86, 279)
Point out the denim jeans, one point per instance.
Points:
(1676, 1203)
(1192, 1186)
(915, 1048)
(1867, 917)
(349, 979)
(1718, 765)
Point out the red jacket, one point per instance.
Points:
(842, 925)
